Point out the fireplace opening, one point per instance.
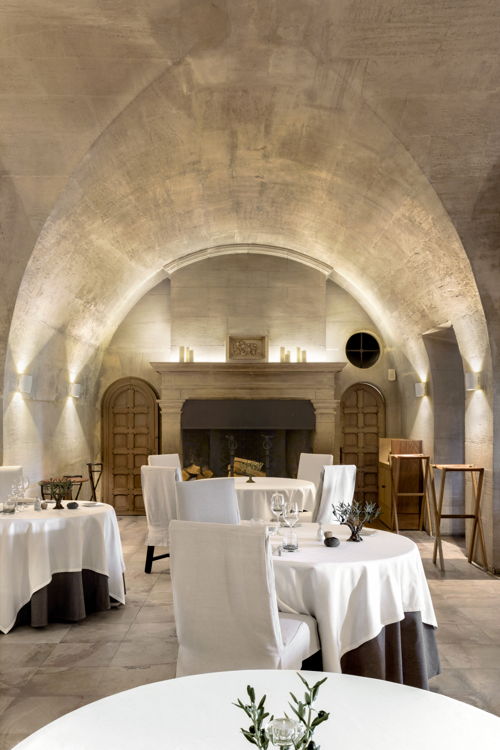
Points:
(271, 431)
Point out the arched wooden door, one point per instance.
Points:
(363, 422)
(129, 434)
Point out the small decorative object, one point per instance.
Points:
(60, 489)
(73, 505)
(355, 516)
(246, 349)
(250, 480)
(43, 505)
(331, 541)
(284, 732)
(320, 534)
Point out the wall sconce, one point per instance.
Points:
(25, 383)
(472, 381)
(75, 390)
(420, 390)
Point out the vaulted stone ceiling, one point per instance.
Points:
(132, 133)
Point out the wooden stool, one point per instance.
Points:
(477, 487)
(395, 460)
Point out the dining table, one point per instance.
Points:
(254, 497)
(370, 599)
(59, 564)
(198, 713)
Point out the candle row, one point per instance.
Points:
(186, 354)
(285, 355)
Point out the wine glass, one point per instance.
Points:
(284, 732)
(277, 507)
(291, 513)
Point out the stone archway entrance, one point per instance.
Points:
(362, 414)
(130, 432)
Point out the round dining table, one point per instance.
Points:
(198, 713)
(70, 556)
(370, 599)
(254, 497)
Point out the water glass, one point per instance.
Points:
(9, 505)
(291, 542)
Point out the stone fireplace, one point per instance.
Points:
(296, 398)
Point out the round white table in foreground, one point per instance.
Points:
(196, 713)
(254, 498)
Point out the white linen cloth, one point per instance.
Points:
(311, 465)
(160, 501)
(336, 485)
(9, 475)
(212, 500)
(165, 459)
(254, 499)
(226, 613)
(35, 545)
(197, 713)
(353, 590)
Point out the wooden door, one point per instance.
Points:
(130, 434)
(363, 422)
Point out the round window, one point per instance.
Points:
(362, 350)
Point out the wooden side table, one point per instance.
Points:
(477, 476)
(395, 461)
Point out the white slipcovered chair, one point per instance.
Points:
(225, 605)
(212, 500)
(336, 486)
(165, 459)
(9, 475)
(158, 492)
(311, 466)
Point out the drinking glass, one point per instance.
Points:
(291, 513)
(284, 732)
(277, 507)
(291, 541)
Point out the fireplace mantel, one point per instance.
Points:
(314, 381)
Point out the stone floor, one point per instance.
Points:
(48, 672)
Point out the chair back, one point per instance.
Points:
(208, 500)
(165, 459)
(311, 465)
(337, 485)
(225, 605)
(9, 475)
(158, 492)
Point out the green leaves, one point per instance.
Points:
(303, 710)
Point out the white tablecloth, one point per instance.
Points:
(35, 545)
(254, 499)
(353, 590)
(197, 713)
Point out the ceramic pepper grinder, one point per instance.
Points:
(320, 534)
(38, 504)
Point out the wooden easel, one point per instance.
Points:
(396, 460)
(477, 476)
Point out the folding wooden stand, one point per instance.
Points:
(477, 475)
(395, 462)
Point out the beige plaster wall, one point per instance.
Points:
(249, 295)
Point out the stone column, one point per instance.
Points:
(171, 435)
(324, 437)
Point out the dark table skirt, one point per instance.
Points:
(404, 652)
(69, 597)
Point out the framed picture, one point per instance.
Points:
(246, 349)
